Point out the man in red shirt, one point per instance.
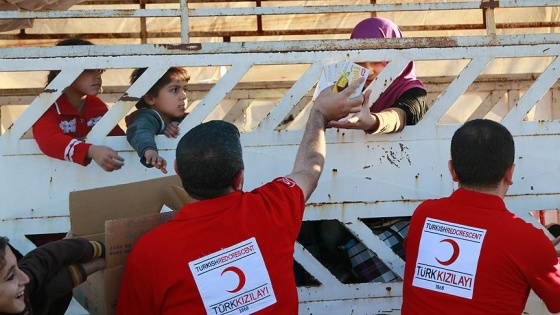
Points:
(229, 251)
(467, 254)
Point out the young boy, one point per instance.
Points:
(61, 131)
(47, 274)
(159, 111)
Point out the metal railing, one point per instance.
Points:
(366, 176)
(485, 13)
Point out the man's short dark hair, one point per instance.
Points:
(208, 158)
(481, 152)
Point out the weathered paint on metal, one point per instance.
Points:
(354, 46)
(489, 4)
(89, 14)
(366, 176)
(184, 13)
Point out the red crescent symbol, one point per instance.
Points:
(239, 274)
(455, 254)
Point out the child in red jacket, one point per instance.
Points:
(61, 131)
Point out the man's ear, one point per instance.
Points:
(175, 167)
(508, 176)
(452, 171)
(238, 180)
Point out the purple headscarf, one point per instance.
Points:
(384, 28)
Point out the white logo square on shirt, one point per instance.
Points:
(448, 257)
(234, 280)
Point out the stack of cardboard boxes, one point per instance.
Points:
(118, 216)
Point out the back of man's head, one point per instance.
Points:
(481, 152)
(208, 157)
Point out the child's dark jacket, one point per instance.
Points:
(142, 126)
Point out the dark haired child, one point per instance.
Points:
(61, 131)
(159, 112)
(42, 281)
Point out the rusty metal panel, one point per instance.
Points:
(336, 47)
(524, 3)
(182, 29)
(365, 176)
(283, 10)
(89, 14)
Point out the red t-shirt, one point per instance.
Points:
(158, 277)
(476, 257)
(61, 130)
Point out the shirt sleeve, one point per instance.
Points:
(140, 133)
(414, 102)
(54, 143)
(389, 121)
(57, 258)
(135, 294)
(285, 198)
(543, 272)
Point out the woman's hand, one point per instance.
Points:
(362, 120)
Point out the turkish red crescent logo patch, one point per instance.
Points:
(455, 254)
(288, 181)
(239, 274)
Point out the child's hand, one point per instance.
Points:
(105, 157)
(172, 130)
(153, 158)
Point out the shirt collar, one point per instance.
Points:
(64, 107)
(208, 207)
(478, 199)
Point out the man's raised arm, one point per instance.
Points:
(310, 157)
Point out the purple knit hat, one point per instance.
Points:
(384, 28)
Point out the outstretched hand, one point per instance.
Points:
(362, 119)
(107, 158)
(153, 158)
(334, 106)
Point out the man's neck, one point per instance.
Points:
(77, 100)
(193, 199)
(499, 191)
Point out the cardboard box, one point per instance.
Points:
(118, 216)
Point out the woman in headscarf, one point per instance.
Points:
(404, 102)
